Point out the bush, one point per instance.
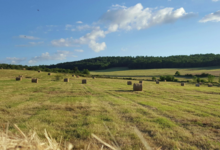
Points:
(198, 80)
(194, 79)
(211, 78)
(86, 71)
(219, 79)
(154, 78)
(177, 73)
(203, 80)
(162, 78)
(170, 78)
(175, 80)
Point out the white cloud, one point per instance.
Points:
(120, 17)
(214, 17)
(68, 26)
(79, 50)
(79, 22)
(30, 44)
(137, 17)
(13, 60)
(215, 0)
(89, 39)
(59, 55)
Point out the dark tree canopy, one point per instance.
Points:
(143, 62)
(138, 62)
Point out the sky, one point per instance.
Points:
(44, 32)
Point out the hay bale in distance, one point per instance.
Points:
(66, 80)
(1, 68)
(77, 76)
(200, 83)
(18, 78)
(93, 77)
(84, 81)
(140, 81)
(49, 74)
(73, 75)
(39, 71)
(24, 68)
(165, 80)
(210, 85)
(157, 82)
(137, 87)
(182, 84)
(197, 85)
(129, 83)
(34, 80)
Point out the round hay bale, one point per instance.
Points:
(49, 74)
(140, 81)
(39, 71)
(197, 85)
(73, 75)
(66, 80)
(129, 83)
(24, 68)
(93, 77)
(157, 82)
(165, 80)
(137, 87)
(200, 83)
(18, 78)
(182, 84)
(210, 85)
(34, 80)
(84, 81)
(77, 76)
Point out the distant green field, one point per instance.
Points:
(167, 114)
(125, 72)
(144, 74)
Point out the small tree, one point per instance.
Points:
(162, 78)
(198, 80)
(177, 73)
(86, 71)
(211, 78)
(194, 78)
(154, 78)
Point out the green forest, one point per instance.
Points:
(143, 62)
(138, 62)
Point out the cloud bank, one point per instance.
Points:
(122, 18)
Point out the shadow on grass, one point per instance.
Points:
(122, 90)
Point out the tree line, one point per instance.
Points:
(138, 62)
(143, 62)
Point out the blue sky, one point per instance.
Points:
(53, 31)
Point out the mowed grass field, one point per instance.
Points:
(166, 114)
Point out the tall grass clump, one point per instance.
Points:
(58, 77)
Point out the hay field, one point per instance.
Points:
(167, 115)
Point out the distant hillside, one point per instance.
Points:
(143, 62)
